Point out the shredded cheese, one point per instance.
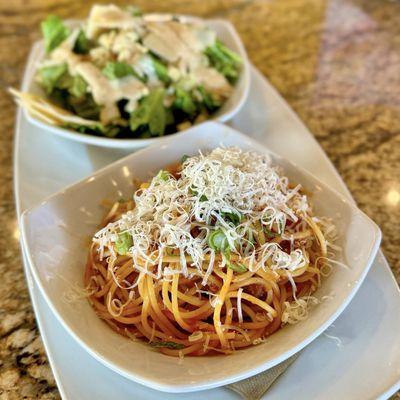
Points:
(227, 180)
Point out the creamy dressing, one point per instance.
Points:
(110, 17)
(178, 43)
(212, 81)
(105, 92)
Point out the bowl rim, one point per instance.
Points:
(100, 141)
(233, 377)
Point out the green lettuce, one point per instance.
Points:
(117, 70)
(53, 77)
(210, 103)
(54, 32)
(78, 87)
(184, 101)
(70, 91)
(150, 113)
(84, 106)
(224, 60)
(98, 129)
(161, 70)
(82, 44)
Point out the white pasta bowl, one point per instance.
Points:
(225, 32)
(56, 237)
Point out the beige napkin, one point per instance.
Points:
(253, 388)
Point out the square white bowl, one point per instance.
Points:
(56, 232)
(225, 32)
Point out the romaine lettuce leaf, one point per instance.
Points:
(54, 32)
(82, 43)
(151, 113)
(161, 70)
(224, 60)
(84, 106)
(78, 87)
(98, 129)
(209, 100)
(184, 101)
(117, 70)
(53, 77)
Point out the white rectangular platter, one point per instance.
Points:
(363, 364)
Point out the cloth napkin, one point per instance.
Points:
(253, 388)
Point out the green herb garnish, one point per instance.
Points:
(237, 267)
(184, 158)
(163, 175)
(218, 241)
(281, 226)
(231, 217)
(123, 243)
(270, 234)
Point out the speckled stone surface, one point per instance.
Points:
(337, 62)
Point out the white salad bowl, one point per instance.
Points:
(56, 235)
(225, 32)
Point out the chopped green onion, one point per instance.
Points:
(123, 243)
(163, 175)
(203, 197)
(218, 241)
(232, 217)
(238, 267)
(281, 227)
(184, 158)
(270, 234)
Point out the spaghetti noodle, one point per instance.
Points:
(210, 256)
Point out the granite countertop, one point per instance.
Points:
(336, 62)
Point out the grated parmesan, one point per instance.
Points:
(227, 180)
